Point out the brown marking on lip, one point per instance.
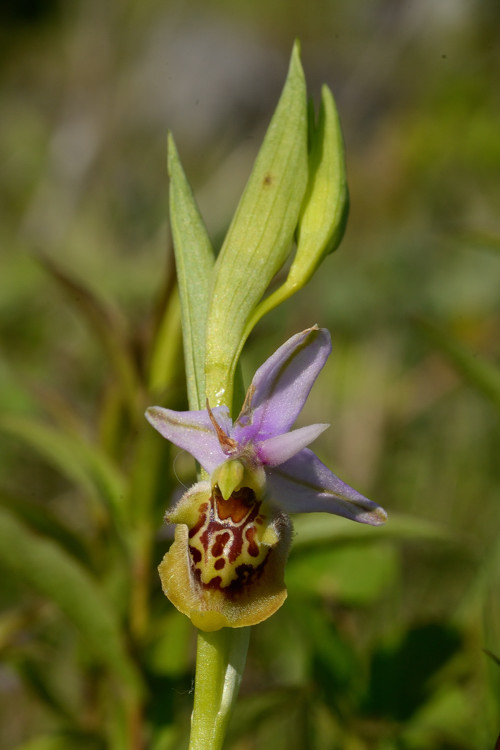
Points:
(253, 548)
(227, 538)
(268, 180)
(237, 507)
(246, 575)
(215, 583)
(220, 542)
(195, 554)
(202, 519)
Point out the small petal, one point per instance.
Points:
(281, 385)
(277, 450)
(305, 485)
(193, 431)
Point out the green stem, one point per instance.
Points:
(220, 661)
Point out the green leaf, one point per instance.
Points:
(333, 658)
(194, 260)
(444, 720)
(350, 561)
(54, 574)
(479, 373)
(403, 674)
(259, 238)
(354, 574)
(169, 650)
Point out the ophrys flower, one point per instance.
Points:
(226, 565)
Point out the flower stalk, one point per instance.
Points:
(220, 662)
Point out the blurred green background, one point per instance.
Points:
(382, 642)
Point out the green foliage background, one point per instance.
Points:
(382, 641)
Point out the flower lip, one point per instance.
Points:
(226, 565)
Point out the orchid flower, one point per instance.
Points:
(226, 565)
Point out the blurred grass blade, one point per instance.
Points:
(481, 595)
(66, 739)
(261, 707)
(55, 575)
(78, 460)
(194, 260)
(38, 517)
(479, 373)
(107, 327)
(478, 239)
(259, 238)
(46, 742)
(316, 529)
(489, 653)
(40, 682)
(15, 622)
(166, 351)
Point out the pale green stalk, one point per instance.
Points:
(220, 662)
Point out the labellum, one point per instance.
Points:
(226, 565)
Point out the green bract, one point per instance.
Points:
(194, 260)
(325, 208)
(291, 192)
(326, 203)
(259, 238)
